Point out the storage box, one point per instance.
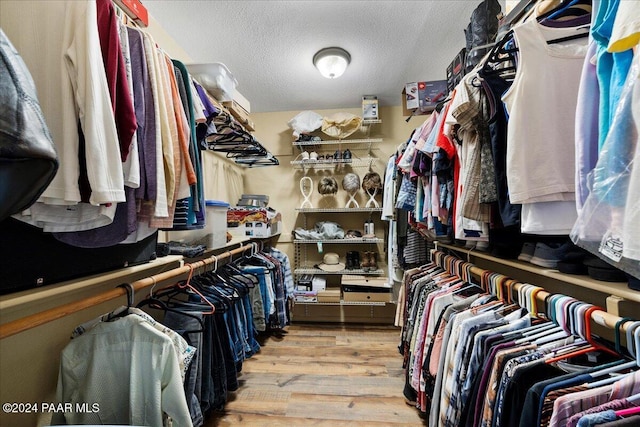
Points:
(216, 78)
(455, 70)
(344, 313)
(240, 99)
(329, 295)
(369, 281)
(251, 229)
(368, 296)
(214, 233)
(135, 10)
(369, 107)
(240, 114)
(422, 97)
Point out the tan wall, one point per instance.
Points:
(281, 183)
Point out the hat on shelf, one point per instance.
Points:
(305, 122)
(328, 185)
(341, 125)
(331, 262)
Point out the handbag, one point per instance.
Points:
(28, 159)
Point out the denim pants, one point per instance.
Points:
(183, 325)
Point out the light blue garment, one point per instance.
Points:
(591, 420)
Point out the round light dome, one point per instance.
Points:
(332, 62)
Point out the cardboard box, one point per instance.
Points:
(359, 280)
(251, 229)
(135, 10)
(238, 216)
(329, 295)
(422, 97)
(240, 114)
(369, 107)
(240, 99)
(455, 70)
(366, 296)
(342, 313)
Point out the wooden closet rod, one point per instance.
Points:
(601, 317)
(20, 325)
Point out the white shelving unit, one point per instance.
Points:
(308, 253)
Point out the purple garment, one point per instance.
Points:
(209, 109)
(144, 105)
(586, 126)
(109, 235)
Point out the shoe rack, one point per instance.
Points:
(330, 154)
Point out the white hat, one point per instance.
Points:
(331, 262)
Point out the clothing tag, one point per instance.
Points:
(611, 247)
(319, 247)
(593, 357)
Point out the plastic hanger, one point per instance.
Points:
(587, 336)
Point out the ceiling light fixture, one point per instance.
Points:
(331, 61)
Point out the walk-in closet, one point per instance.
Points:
(320, 213)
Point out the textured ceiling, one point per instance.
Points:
(269, 45)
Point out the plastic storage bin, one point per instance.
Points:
(216, 78)
(214, 233)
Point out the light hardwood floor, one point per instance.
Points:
(322, 375)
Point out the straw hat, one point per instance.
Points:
(331, 262)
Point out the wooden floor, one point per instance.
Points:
(322, 375)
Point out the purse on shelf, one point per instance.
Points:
(28, 159)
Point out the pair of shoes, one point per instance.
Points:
(346, 156)
(369, 261)
(548, 255)
(528, 249)
(305, 137)
(353, 260)
(601, 270)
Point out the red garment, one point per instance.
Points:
(116, 75)
(443, 141)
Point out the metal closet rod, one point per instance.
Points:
(23, 324)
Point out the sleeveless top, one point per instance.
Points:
(541, 105)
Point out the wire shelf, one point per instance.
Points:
(319, 164)
(374, 303)
(338, 210)
(339, 241)
(357, 271)
(337, 141)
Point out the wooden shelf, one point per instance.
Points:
(619, 289)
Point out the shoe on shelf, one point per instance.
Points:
(337, 155)
(528, 249)
(366, 261)
(346, 156)
(304, 156)
(313, 156)
(353, 260)
(373, 263)
(548, 255)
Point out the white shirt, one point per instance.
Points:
(129, 369)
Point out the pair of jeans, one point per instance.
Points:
(185, 326)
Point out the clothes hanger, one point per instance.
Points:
(130, 303)
(594, 346)
(159, 304)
